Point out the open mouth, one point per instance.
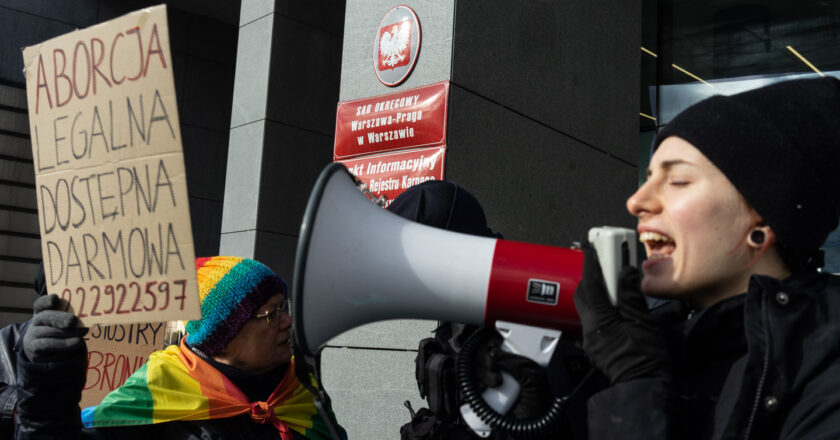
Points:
(658, 246)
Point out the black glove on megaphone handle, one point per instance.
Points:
(621, 341)
(53, 334)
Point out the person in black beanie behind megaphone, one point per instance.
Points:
(741, 192)
(446, 205)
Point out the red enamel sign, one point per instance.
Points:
(407, 119)
(392, 173)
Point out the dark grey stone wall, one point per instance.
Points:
(543, 120)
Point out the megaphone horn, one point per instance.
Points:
(357, 263)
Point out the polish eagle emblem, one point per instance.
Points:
(393, 44)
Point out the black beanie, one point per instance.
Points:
(780, 147)
(442, 204)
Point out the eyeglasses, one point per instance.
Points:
(274, 316)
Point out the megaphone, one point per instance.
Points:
(357, 263)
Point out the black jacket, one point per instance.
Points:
(11, 338)
(762, 365)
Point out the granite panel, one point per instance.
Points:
(536, 184)
(81, 13)
(179, 65)
(113, 9)
(14, 121)
(206, 93)
(17, 297)
(361, 22)
(13, 318)
(400, 334)
(22, 222)
(21, 172)
(206, 217)
(240, 244)
(205, 158)
(179, 28)
(292, 160)
(253, 61)
(368, 388)
(242, 181)
(305, 72)
(277, 251)
(20, 246)
(251, 10)
(573, 66)
(27, 30)
(14, 97)
(326, 15)
(17, 196)
(19, 272)
(223, 11)
(212, 40)
(15, 146)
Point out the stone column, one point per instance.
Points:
(282, 122)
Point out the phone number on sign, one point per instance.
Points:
(125, 298)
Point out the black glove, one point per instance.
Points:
(620, 340)
(53, 334)
(535, 395)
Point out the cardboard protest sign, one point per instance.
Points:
(109, 170)
(115, 352)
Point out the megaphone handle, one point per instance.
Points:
(616, 248)
(535, 343)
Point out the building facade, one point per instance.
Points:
(552, 108)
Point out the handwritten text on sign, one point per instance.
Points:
(391, 174)
(111, 186)
(115, 352)
(407, 119)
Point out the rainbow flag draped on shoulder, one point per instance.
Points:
(177, 385)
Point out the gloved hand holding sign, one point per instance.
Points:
(54, 334)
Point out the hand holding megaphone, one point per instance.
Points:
(619, 337)
(357, 264)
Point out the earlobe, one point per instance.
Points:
(761, 238)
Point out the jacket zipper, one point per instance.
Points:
(764, 319)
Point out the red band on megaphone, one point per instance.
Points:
(534, 285)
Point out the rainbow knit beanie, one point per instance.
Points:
(231, 289)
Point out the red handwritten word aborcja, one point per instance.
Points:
(87, 63)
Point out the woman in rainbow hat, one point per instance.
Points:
(231, 377)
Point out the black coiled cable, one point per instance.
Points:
(528, 428)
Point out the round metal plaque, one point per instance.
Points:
(396, 45)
